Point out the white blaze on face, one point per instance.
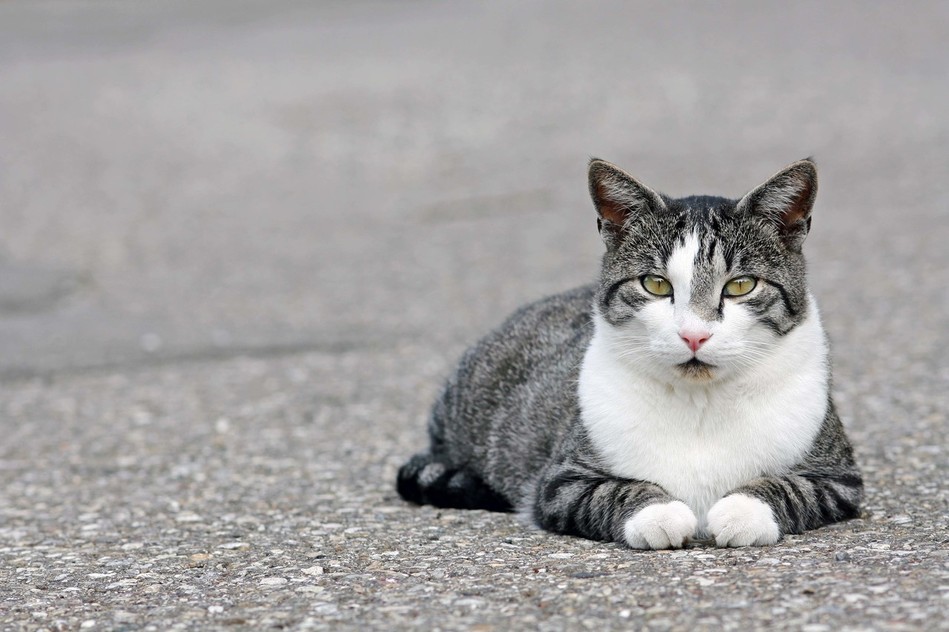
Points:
(681, 268)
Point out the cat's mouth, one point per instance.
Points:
(696, 369)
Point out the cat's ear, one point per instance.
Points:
(786, 199)
(618, 196)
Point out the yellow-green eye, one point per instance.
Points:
(657, 285)
(740, 286)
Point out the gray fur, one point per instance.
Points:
(825, 487)
(505, 431)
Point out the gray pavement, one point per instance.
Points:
(241, 244)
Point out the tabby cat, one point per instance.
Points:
(684, 395)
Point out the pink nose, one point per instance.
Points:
(694, 338)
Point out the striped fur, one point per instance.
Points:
(825, 487)
(587, 413)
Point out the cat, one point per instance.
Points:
(684, 396)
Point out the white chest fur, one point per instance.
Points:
(699, 442)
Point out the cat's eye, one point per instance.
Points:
(740, 286)
(657, 285)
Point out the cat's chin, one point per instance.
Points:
(697, 371)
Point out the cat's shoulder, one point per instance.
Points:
(558, 323)
(568, 311)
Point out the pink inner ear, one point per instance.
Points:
(800, 207)
(609, 209)
(613, 213)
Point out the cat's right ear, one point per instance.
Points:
(617, 197)
(786, 200)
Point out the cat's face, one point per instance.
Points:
(702, 288)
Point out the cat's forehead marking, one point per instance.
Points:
(697, 264)
(707, 277)
(711, 268)
(680, 266)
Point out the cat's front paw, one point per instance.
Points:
(742, 520)
(661, 526)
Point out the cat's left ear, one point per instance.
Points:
(786, 199)
(617, 197)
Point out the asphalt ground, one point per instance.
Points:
(242, 243)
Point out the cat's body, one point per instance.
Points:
(659, 404)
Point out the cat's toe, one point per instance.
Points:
(661, 526)
(742, 520)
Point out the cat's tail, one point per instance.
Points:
(428, 480)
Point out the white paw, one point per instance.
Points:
(741, 520)
(661, 526)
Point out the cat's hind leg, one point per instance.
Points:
(428, 480)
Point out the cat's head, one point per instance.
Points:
(702, 288)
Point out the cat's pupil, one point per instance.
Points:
(740, 286)
(657, 285)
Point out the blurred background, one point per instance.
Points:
(242, 243)
(189, 180)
